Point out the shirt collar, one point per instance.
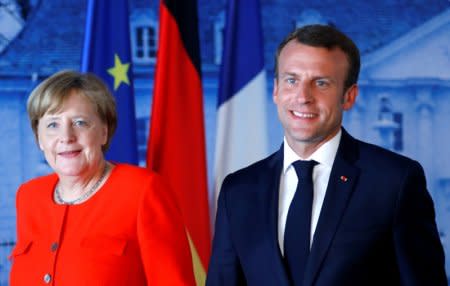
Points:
(324, 155)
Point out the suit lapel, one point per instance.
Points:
(270, 182)
(340, 187)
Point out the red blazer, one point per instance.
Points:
(129, 233)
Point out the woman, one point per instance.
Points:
(92, 222)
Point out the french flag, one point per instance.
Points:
(241, 121)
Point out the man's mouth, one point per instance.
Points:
(304, 114)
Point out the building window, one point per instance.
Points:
(390, 125)
(144, 36)
(145, 44)
(385, 112)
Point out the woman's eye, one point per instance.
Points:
(80, 123)
(52, 125)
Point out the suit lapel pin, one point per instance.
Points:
(344, 179)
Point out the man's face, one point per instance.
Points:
(309, 94)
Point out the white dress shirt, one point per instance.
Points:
(288, 182)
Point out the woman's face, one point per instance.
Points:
(72, 138)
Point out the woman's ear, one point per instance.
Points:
(104, 134)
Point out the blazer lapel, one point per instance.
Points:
(340, 187)
(271, 184)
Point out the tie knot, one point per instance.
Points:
(304, 169)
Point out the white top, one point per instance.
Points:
(288, 182)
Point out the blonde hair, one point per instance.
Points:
(50, 96)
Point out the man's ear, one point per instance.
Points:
(350, 97)
(275, 90)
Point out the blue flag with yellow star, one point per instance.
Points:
(107, 53)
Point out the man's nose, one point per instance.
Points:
(304, 93)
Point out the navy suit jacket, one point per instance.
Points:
(377, 227)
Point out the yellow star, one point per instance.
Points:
(119, 72)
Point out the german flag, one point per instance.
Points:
(176, 146)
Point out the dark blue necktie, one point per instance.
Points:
(298, 223)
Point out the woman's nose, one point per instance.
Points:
(67, 134)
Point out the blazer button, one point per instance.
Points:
(54, 246)
(47, 278)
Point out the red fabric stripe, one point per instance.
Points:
(176, 146)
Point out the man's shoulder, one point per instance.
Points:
(256, 169)
(243, 186)
(380, 157)
(254, 176)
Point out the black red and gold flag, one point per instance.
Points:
(176, 146)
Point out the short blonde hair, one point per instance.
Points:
(50, 96)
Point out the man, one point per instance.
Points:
(369, 217)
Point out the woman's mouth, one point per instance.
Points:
(72, 153)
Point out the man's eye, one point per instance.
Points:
(322, 83)
(291, 80)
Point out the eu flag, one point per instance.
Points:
(106, 53)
